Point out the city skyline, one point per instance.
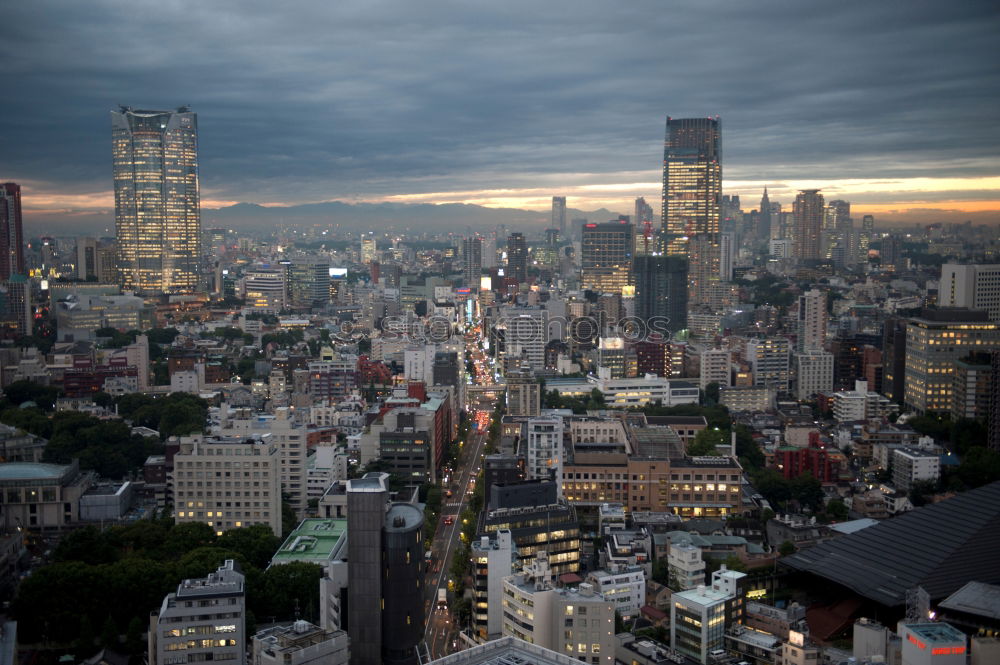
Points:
(385, 111)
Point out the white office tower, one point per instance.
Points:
(545, 449)
(228, 482)
(494, 560)
(811, 321)
(814, 373)
(769, 359)
(972, 286)
(202, 621)
(715, 367)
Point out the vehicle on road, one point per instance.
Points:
(449, 520)
(442, 599)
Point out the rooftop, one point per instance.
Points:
(32, 471)
(313, 540)
(940, 547)
(506, 651)
(936, 633)
(975, 598)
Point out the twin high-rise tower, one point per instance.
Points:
(157, 200)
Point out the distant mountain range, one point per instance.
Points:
(412, 217)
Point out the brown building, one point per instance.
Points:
(808, 211)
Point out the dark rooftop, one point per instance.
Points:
(940, 547)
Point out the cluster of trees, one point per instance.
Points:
(285, 338)
(979, 464)
(173, 414)
(795, 494)
(105, 446)
(551, 399)
(124, 573)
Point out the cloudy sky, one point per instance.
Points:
(893, 105)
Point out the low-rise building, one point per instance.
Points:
(301, 643)
(623, 585)
(203, 620)
(911, 465)
(42, 496)
(576, 622)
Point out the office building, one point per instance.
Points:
(686, 565)
(472, 254)
(692, 181)
(704, 270)
(493, 559)
(623, 585)
(227, 482)
(11, 232)
(559, 215)
(301, 643)
(698, 622)
(661, 291)
(808, 214)
(204, 620)
(933, 643)
(934, 342)
(973, 387)
(972, 287)
(265, 288)
(642, 218)
(544, 449)
(814, 373)
(157, 207)
(764, 220)
(517, 258)
(42, 497)
(860, 404)
(811, 321)
(715, 367)
(524, 393)
(577, 622)
(369, 249)
(910, 465)
(769, 359)
(308, 283)
(385, 606)
(538, 521)
(606, 256)
(525, 332)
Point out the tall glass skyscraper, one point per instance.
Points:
(692, 195)
(157, 202)
(692, 180)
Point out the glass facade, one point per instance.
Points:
(157, 202)
(692, 181)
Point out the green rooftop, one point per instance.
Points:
(315, 540)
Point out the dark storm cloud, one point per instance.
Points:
(303, 101)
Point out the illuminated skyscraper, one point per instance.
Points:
(157, 208)
(559, 214)
(11, 234)
(472, 253)
(808, 212)
(517, 257)
(692, 180)
(606, 259)
(692, 193)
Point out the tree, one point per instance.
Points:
(257, 543)
(712, 394)
(979, 467)
(134, 642)
(23, 391)
(786, 548)
(837, 510)
(705, 442)
(109, 634)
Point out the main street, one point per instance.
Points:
(441, 633)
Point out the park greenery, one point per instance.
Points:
(125, 571)
(106, 446)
